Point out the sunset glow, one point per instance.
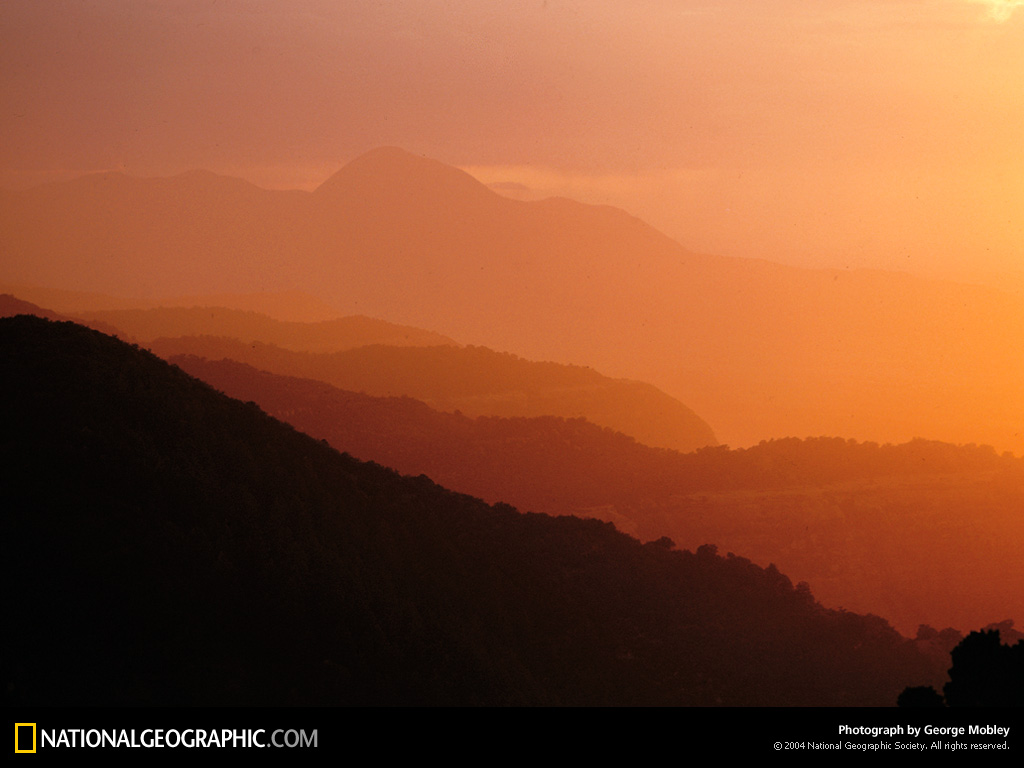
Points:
(842, 133)
(304, 303)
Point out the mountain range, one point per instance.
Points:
(130, 487)
(173, 546)
(758, 349)
(476, 381)
(851, 519)
(832, 512)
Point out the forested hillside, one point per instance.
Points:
(174, 546)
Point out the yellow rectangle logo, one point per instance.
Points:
(22, 738)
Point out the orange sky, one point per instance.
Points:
(845, 133)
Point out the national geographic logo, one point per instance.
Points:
(24, 738)
(28, 737)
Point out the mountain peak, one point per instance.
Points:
(386, 168)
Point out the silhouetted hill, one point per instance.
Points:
(395, 178)
(174, 546)
(146, 325)
(921, 533)
(476, 381)
(758, 349)
(544, 464)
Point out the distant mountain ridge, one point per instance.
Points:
(759, 349)
(286, 306)
(146, 325)
(391, 171)
(476, 381)
(12, 306)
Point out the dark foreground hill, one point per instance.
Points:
(169, 545)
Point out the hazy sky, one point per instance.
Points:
(838, 132)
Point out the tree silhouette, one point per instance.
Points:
(985, 673)
(920, 696)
